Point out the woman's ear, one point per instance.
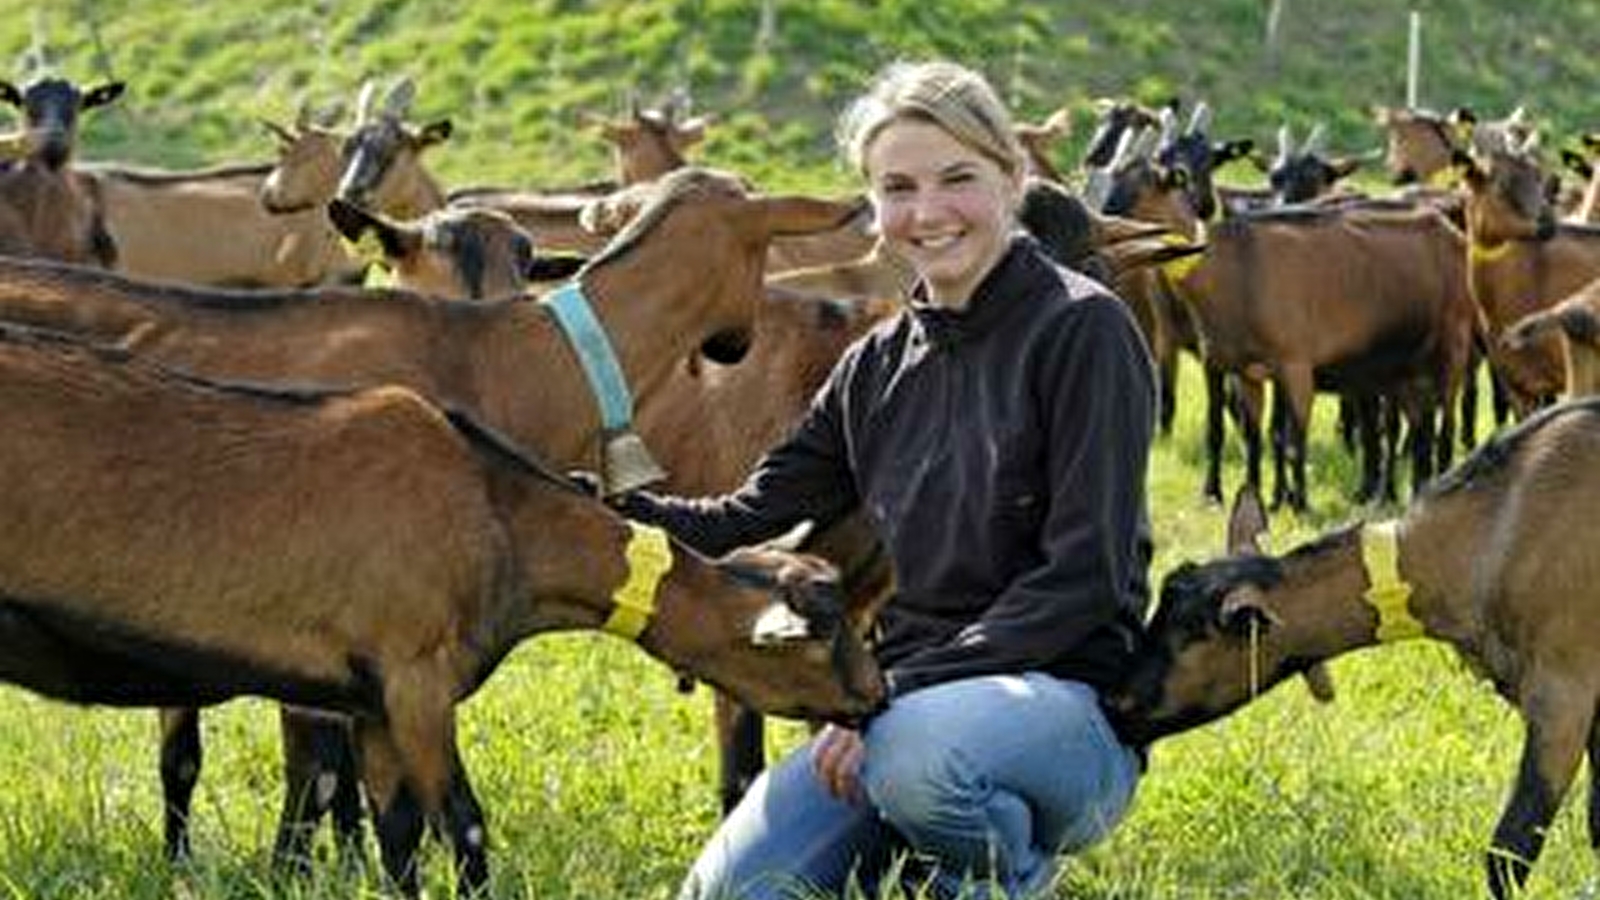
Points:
(1016, 187)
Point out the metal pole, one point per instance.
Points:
(1413, 59)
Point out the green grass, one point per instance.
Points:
(597, 775)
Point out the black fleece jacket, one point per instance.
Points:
(1000, 452)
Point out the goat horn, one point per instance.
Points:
(1145, 145)
(1169, 126)
(680, 104)
(398, 102)
(1200, 121)
(364, 101)
(1314, 140)
(1285, 141)
(1119, 156)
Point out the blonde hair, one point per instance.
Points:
(948, 95)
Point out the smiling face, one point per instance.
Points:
(942, 206)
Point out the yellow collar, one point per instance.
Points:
(1447, 177)
(1387, 591)
(649, 558)
(1179, 269)
(1488, 253)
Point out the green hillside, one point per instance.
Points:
(512, 75)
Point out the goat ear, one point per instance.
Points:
(1346, 166)
(554, 267)
(796, 214)
(1466, 167)
(1242, 608)
(283, 134)
(1576, 163)
(692, 131)
(779, 624)
(1059, 123)
(10, 94)
(396, 241)
(1247, 522)
(1228, 151)
(1319, 682)
(101, 95)
(435, 133)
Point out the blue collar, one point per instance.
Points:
(626, 464)
(588, 340)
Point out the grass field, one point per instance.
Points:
(597, 774)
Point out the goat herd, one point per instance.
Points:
(210, 423)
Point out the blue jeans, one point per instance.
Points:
(971, 784)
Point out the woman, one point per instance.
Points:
(996, 433)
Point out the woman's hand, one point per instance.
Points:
(836, 756)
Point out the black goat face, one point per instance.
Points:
(1196, 664)
(50, 108)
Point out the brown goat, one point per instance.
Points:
(314, 161)
(504, 360)
(384, 557)
(47, 208)
(1577, 319)
(1357, 298)
(647, 143)
(462, 254)
(467, 253)
(1470, 562)
(383, 168)
(207, 227)
(1522, 259)
(1419, 143)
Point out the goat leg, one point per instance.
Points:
(468, 834)
(1552, 747)
(397, 816)
(180, 770)
(741, 744)
(1298, 388)
(1594, 785)
(319, 776)
(1216, 403)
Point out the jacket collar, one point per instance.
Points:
(1002, 290)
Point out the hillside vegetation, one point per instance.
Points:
(597, 776)
(512, 76)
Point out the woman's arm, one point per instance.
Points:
(807, 477)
